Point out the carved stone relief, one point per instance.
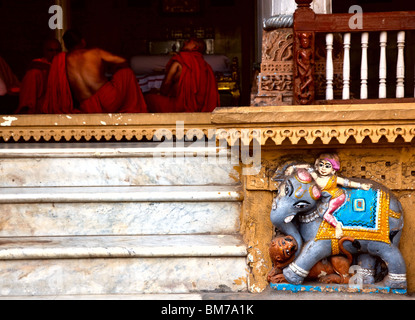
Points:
(275, 81)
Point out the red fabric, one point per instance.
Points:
(33, 88)
(122, 94)
(58, 98)
(334, 204)
(197, 88)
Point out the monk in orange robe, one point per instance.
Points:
(34, 83)
(80, 74)
(190, 84)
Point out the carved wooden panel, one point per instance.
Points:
(275, 81)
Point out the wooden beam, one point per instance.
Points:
(372, 21)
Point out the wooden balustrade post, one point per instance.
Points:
(304, 53)
(382, 65)
(329, 67)
(346, 65)
(400, 69)
(364, 67)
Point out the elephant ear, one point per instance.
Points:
(315, 192)
(304, 176)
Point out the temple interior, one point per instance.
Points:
(132, 28)
(137, 29)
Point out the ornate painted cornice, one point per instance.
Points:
(102, 126)
(320, 124)
(278, 125)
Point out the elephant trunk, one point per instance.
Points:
(288, 228)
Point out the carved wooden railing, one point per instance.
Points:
(307, 25)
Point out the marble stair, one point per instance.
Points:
(119, 219)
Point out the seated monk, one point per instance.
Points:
(34, 83)
(77, 82)
(189, 85)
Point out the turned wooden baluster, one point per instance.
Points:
(329, 67)
(364, 66)
(400, 69)
(346, 66)
(382, 65)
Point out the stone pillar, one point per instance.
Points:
(64, 4)
(289, 6)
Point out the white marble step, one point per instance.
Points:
(122, 265)
(107, 150)
(151, 246)
(141, 164)
(28, 212)
(121, 194)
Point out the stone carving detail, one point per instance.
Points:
(275, 81)
(394, 169)
(370, 219)
(385, 171)
(263, 180)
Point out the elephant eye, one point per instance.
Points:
(288, 189)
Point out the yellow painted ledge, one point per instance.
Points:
(278, 125)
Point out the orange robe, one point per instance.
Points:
(122, 94)
(58, 97)
(197, 88)
(33, 87)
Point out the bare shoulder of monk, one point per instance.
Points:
(85, 72)
(111, 58)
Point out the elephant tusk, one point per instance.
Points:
(289, 219)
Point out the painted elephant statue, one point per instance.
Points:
(374, 218)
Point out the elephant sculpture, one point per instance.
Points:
(374, 218)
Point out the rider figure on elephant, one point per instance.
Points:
(324, 173)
